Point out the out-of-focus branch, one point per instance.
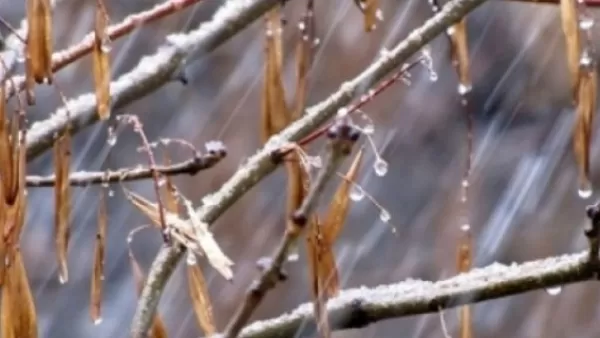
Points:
(356, 308)
(262, 164)
(589, 3)
(64, 57)
(84, 178)
(340, 146)
(150, 73)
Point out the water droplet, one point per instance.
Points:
(105, 45)
(384, 216)
(433, 77)
(553, 291)
(379, 14)
(111, 193)
(356, 193)
(315, 161)
(450, 30)
(465, 183)
(342, 112)
(381, 167)
(112, 137)
(465, 227)
(316, 42)
(586, 59)
(301, 26)
(293, 257)
(191, 259)
(104, 184)
(61, 279)
(162, 181)
(368, 129)
(464, 89)
(98, 321)
(586, 23)
(585, 192)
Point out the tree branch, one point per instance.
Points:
(262, 164)
(85, 178)
(151, 72)
(357, 308)
(64, 57)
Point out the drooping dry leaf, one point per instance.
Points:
(62, 162)
(319, 294)
(570, 26)
(39, 44)
(304, 55)
(158, 329)
(464, 264)
(370, 8)
(201, 300)
(100, 54)
(18, 318)
(169, 191)
(460, 53)
(582, 135)
(274, 112)
(98, 269)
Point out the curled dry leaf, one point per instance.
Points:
(98, 269)
(460, 52)
(314, 249)
(39, 44)
(193, 233)
(18, 318)
(158, 329)
(201, 299)
(62, 162)
(100, 54)
(570, 26)
(586, 107)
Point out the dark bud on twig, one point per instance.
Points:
(264, 263)
(593, 213)
(344, 132)
(277, 156)
(299, 218)
(216, 148)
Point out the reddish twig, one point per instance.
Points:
(85, 178)
(64, 57)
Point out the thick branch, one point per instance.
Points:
(356, 308)
(262, 164)
(150, 73)
(64, 57)
(85, 178)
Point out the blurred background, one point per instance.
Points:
(524, 201)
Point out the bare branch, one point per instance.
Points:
(85, 178)
(262, 164)
(339, 147)
(356, 308)
(64, 57)
(151, 72)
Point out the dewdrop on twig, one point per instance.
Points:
(191, 259)
(380, 166)
(356, 193)
(384, 216)
(554, 291)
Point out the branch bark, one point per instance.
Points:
(262, 164)
(357, 308)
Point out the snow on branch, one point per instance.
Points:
(357, 308)
(151, 72)
(261, 164)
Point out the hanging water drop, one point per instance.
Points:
(585, 192)
(380, 167)
(293, 256)
(433, 77)
(356, 193)
(98, 321)
(112, 137)
(586, 23)
(105, 45)
(384, 216)
(61, 279)
(553, 291)
(465, 227)
(191, 259)
(111, 193)
(464, 89)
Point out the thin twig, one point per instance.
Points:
(589, 3)
(262, 164)
(71, 54)
(340, 145)
(85, 178)
(357, 308)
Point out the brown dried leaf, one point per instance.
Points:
(582, 135)
(570, 26)
(101, 65)
(145, 206)
(319, 293)
(370, 8)
(460, 52)
(98, 270)
(464, 258)
(158, 329)
(18, 319)
(201, 300)
(62, 162)
(39, 41)
(170, 192)
(274, 113)
(338, 209)
(304, 54)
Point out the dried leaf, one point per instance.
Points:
(98, 270)
(158, 329)
(319, 294)
(586, 107)
(39, 42)
(170, 192)
(274, 112)
(370, 8)
(460, 52)
(464, 258)
(201, 300)
(62, 162)
(304, 54)
(338, 209)
(18, 319)
(570, 26)
(101, 65)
